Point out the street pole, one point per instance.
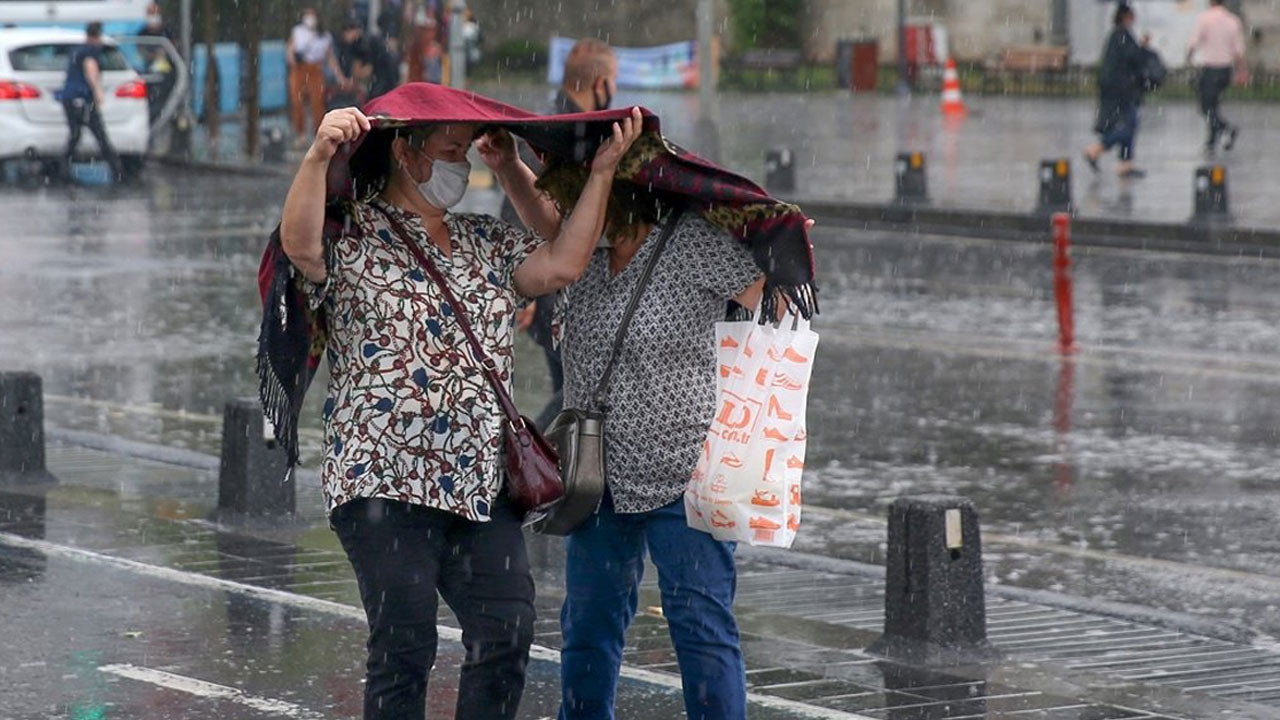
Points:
(1058, 34)
(706, 58)
(252, 52)
(375, 9)
(184, 13)
(707, 137)
(457, 46)
(209, 33)
(903, 88)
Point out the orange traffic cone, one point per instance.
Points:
(952, 104)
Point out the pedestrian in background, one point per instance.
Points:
(370, 68)
(590, 81)
(158, 65)
(1218, 43)
(309, 53)
(154, 25)
(1121, 83)
(473, 39)
(82, 99)
(426, 53)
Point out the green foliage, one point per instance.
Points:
(517, 55)
(806, 78)
(766, 23)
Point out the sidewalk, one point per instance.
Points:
(845, 145)
(805, 620)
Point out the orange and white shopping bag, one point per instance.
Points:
(746, 486)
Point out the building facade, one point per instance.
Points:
(978, 30)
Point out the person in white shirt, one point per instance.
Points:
(309, 51)
(1218, 43)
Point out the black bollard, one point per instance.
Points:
(252, 477)
(1055, 186)
(22, 458)
(934, 606)
(1211, 194)
(910, 186)
(779, 170)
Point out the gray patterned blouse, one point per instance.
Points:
(662, 394)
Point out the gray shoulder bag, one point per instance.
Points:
(578, 435)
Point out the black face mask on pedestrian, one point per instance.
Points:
(608, 97)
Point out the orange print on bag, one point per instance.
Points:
(786, 383)
(788, 354)
(735, 415)
(775, 410)
(764, 498)
(775, 434)
(764, 527)
(720, 520)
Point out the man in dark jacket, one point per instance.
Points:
(82, 98)
(1121, 83)
(590, 82)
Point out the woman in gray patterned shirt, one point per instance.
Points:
(659, 405)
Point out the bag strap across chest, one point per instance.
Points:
(487, 365)
(602, 387)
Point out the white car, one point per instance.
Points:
(33, 67)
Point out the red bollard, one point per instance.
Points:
(1062, 281)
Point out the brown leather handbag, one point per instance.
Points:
(533, 472)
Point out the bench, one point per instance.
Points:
(1021, 67)
(1033, 59)
(770, 59)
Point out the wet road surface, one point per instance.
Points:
(1142, 471)
(132, 646)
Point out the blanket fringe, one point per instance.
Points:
(276, 404)
(799, 298)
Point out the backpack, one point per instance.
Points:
(1154, 72)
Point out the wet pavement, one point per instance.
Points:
(195, 619)
(136, 642)
(845, 145)
(1141, 471)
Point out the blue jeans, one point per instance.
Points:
(697, 579)
(1123, 134)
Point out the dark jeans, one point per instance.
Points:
(1213, 82)
(697, 579)
(1123, 133)
(81, 112)
(403, 555)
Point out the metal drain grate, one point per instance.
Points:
(1127, 650)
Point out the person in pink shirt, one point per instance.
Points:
(1218, 43)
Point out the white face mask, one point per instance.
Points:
(154, 21)
(310, 22)
(447, 184)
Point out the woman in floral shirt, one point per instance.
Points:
(412, 437)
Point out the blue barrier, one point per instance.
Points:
(272, 76)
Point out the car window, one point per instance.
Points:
(55, 56)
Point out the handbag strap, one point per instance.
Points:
(602, 387)
(487, 365)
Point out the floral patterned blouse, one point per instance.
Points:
(408, 415)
